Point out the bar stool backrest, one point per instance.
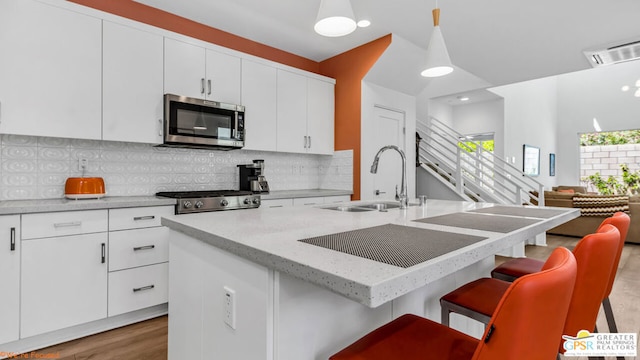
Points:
(529, 320)
(595, 255)
(622, 222)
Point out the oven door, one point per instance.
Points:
(202, 123)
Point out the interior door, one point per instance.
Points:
(389, 130)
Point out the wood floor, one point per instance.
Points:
(148, 340)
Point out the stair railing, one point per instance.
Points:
(473, 173)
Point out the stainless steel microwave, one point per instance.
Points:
(199, 123)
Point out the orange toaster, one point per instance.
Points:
(84, 188)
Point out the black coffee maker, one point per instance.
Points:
(252, 178)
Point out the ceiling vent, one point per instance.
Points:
(614, 54)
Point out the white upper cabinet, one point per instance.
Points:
(259, 98)
(194, 71)
(223, 77)
(305, 114)
(292, 112)
(320, 116)
(50, 71)
(132, 84)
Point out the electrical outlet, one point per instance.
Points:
(83, 164)
(229, 307)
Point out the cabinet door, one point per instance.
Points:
(132, 85)
(292, 112)
(259, 98)
(64, 282)
(184, 69)
(320, 116)
(51, 71)
(10, 278)
(223, 77)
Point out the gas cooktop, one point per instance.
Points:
(212, 200)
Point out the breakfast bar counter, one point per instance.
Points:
(300, 282)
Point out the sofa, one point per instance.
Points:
(563, 196)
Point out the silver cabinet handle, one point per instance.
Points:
(378, 192)
(13, 239)
(148, 287)
(147, 247)
(149, 217)
(104, 253)
(209, 86)
(202, 86)
(68, 224)
(305, 141)
(160, 131)
(309, 141)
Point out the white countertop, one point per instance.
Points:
(9, 207)
(270, 237)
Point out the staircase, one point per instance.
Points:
(474, 174)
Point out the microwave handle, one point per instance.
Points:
(235, 128)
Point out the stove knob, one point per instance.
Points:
(186, 204)
(247, 201)
(224, 202)
(199, 204)
(256, 201)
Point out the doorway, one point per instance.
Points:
(388, 127)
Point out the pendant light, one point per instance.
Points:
(438, 61)
(335, 18)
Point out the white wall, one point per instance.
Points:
(594, 93)
(531, 117)
(482, 117)
(376, 95)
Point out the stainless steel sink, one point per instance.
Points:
(380, 206)
(348, 208)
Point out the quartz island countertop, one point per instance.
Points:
(270, 237)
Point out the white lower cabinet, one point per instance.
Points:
(138, 288)
(68, 268)
(138, 258)
(9, 278)
(276, 203)
(308, 201)
(64, 282)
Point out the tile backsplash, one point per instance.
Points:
(37, 167)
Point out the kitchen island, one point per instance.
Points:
(243, 285)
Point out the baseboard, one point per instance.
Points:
(79, 331)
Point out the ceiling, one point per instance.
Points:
(499, 41)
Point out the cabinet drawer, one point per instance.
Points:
(337, 199)
(138, 288)
(139, 247)
(63, 223)
(276, 203)
(308, 201)
(138, 217)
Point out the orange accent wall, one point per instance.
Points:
(349, 69)
(162, 19)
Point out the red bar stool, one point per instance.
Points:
(594, 254)
(515, 268)
(515, 331)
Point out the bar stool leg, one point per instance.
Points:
(608, 312)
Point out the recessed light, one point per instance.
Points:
(463, 98)
(626, 88)
(637, 94)
(364, 23)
